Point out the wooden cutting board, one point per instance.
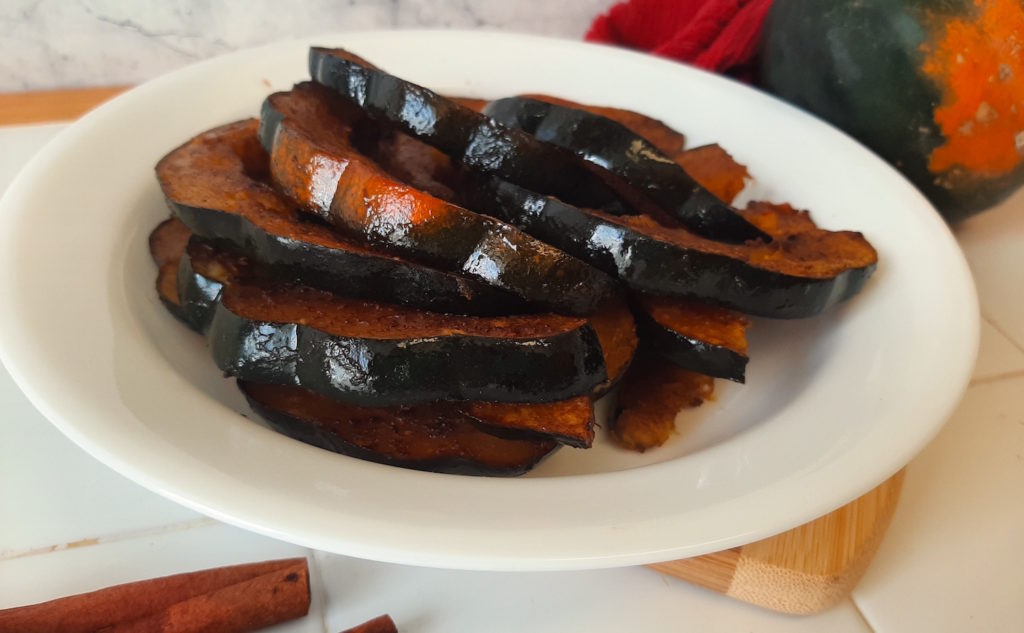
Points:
(804, 570)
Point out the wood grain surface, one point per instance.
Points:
(19, 108)
(805, 570)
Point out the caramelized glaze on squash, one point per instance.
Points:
(437, 436)
(314, 163)
(651, 397)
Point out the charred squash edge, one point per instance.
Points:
(668, 141)
(392, 372)
(466, 462)
(630, 158)
(476, 245)
(355, 269)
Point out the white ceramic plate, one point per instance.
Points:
(832, 407)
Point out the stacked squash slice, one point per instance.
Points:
(447, 284)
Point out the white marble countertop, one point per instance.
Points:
(951, 561)
(59, 44)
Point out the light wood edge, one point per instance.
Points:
(713, 571)
(19, 108)
(804, 570)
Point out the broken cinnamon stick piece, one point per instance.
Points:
(380, 624)
(96, 610)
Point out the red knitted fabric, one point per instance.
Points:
(719, 35)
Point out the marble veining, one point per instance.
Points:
(67, 43)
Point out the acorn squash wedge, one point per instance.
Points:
(470, 138)
(217, 185)
(809, 270)
(314, 162)
(629, 160)
(669, 141)
(701, 338)
(371, 353)
(799, 276)
(568, 421)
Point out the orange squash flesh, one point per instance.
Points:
(715, 169)
(711, 324)
(652, 395)
(166, 244)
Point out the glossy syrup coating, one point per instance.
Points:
(568, 421)
(799, 275)
(283, 333)
(455, 127)
(629, 163)
(314, 163)
(217, 185)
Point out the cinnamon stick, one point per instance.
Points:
(380, 624)
(263, 601)
(96, 610)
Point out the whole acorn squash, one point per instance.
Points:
(936, 87)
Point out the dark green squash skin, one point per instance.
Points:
(691, 353)
(393, 372)
(858, 65)
(312, 434)
(469, 137)
(177, 313)
(360, 274)
(650, 265)
(630, 158)
(198, 296)
(484, 250)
